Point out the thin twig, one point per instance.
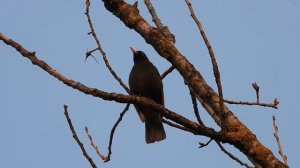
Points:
(167, 72)
(176, 125)
(284, 157)
(107, 158)
(257, 103)
(89, 53)
(205, 144)
(272, 105)
(212, 56)
(158, 23)
(232, 156)
(93, 144)
(85, 154)
(87, 13)
(195, 106)
(256, 88)
(155, 18)
(113, 131)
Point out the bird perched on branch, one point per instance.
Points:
(144, 80)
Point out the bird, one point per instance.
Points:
(145, 81)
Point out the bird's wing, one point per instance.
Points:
(140, 113)
(162, 99)
(162, 96)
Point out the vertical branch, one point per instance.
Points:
(284, 157)
(93, 145)
(195, 106)
(85, 154)
(158, 23)
(155, 18)
(212, 56)
(87, 13)
(107, 158)
(256, 88)
(111, 137)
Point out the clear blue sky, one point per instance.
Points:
(254, 41)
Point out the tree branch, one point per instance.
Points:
(212, 56)
(164, 29)
(87, 13)
(93, 145)
(154, 16)
(177, 126)
(167, 72)
(85, 154)
(257, 103)
(89, 53)
(232, 156)
(198, 129)
(256, 88)
(195, 106)
(111, 137)
(272, 105)
(284, 157)
(107, 158)
(202, 145)
(242, 138)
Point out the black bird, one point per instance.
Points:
(144, 80)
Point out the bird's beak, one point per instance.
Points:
(133, 50)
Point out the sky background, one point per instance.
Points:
(254, 41)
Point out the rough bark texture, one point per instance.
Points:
(240, 136)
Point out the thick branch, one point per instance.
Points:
(242, 137)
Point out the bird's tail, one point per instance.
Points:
(154, 131)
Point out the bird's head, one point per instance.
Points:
(138, 56)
